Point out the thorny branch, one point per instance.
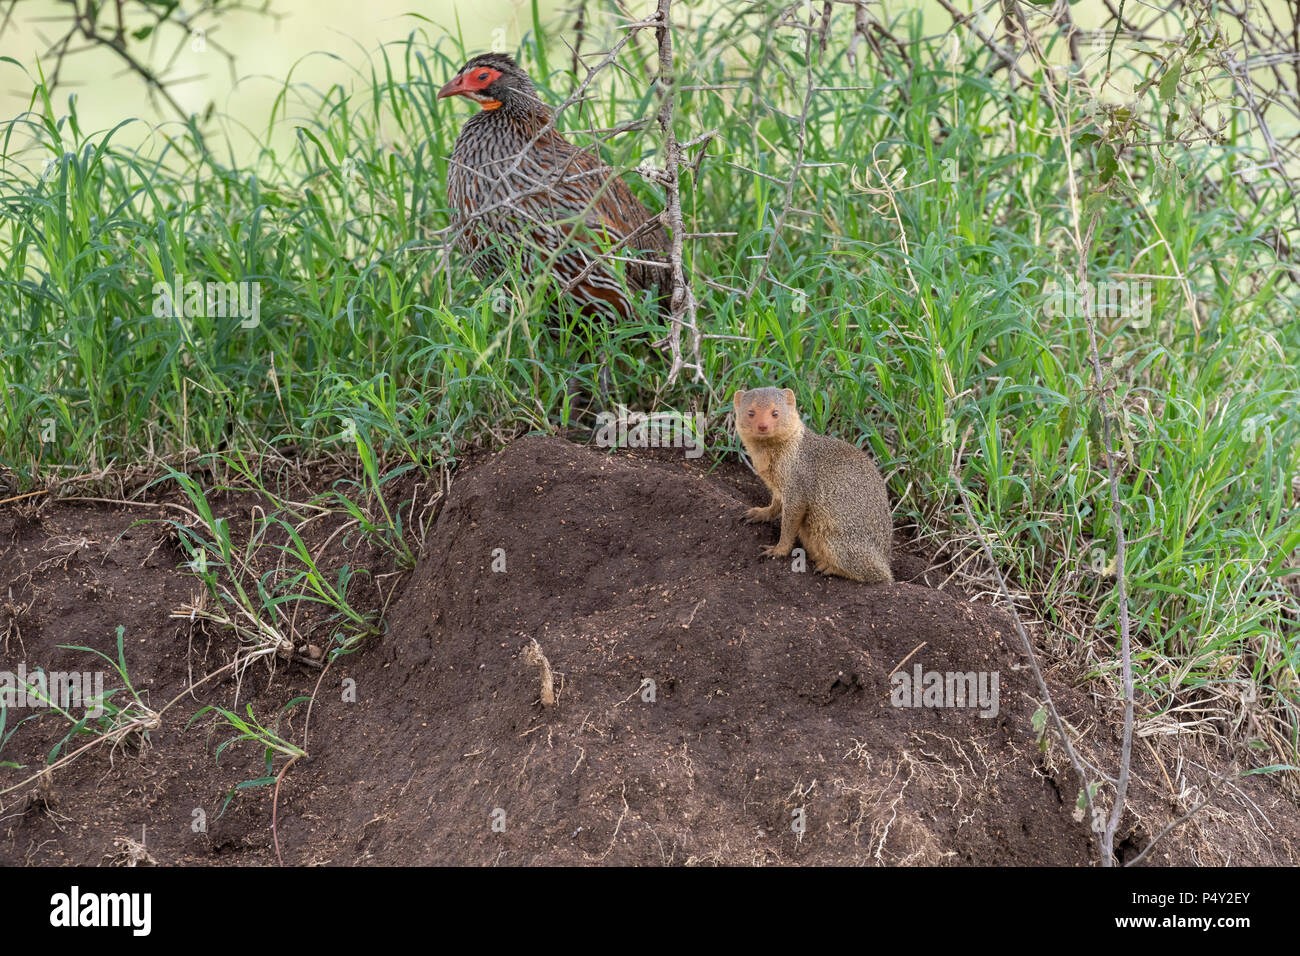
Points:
(683, 300)
(801, 134)
(1082, 236)
(116, 26)
(1244, 72)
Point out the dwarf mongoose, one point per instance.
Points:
(827, 493)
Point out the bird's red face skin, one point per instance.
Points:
(472, 84)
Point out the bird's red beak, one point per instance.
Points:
(456, 87)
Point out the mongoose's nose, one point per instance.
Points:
(762, 427)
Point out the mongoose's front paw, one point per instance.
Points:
(775, 551)
(758, 515)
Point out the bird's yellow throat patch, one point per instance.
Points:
(492, 105)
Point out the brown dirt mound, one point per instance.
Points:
(770, 704)
(771, 686)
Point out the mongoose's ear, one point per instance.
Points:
(740, 392)
(789, 397)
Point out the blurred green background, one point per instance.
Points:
(306, 36)
(316, 39)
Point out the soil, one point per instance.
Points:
(712, 706)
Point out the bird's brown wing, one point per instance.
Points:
(648, 240)
(614, 215)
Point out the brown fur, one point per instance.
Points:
(825, 492)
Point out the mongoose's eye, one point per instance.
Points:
(751, 413)
(775, 414)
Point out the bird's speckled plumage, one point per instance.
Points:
(518, 190)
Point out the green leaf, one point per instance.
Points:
(1169, 83)
(1271, 768)
(1094, 426)
(1082, 801)
(1039, 720)
(1107, 165)
(1095, 203)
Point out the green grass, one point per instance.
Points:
(248, 729)
(362, 333)
(118, 716)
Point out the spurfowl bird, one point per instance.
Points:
(519, 191)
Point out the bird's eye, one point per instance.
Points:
(482, 76)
